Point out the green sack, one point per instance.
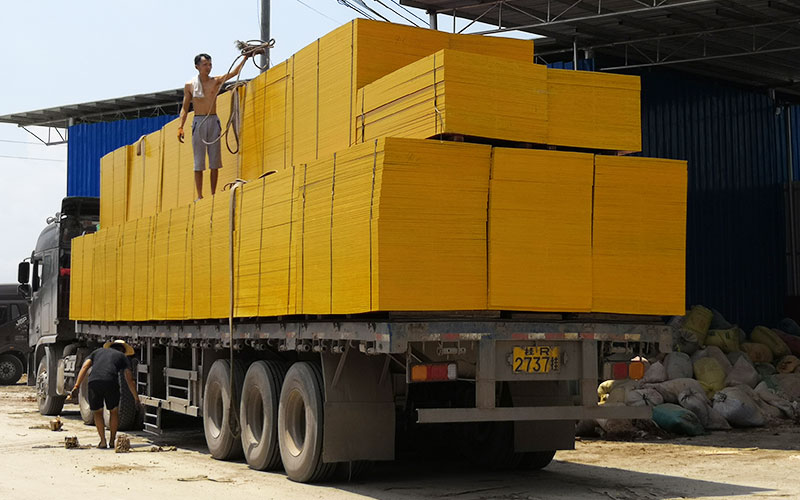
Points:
(698, 319)
(677, 419)
(727, 340)
(710, 374)
(763, 335)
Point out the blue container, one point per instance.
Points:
(90, 142)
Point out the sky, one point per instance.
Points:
(58, 53)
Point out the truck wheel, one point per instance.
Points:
(258, 414)
(535, 460)
(223, 443)
(300, 424)
(48, 405)
(489, 445)
(127, 405)
(87, 415)
(11, 369)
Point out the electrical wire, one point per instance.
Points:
(379, 2)
(301, 2)
(347, 4)
(29, 158)
(25, 142)
(410, 12)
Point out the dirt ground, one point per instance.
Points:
(758, 463)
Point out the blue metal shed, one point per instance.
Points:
(90, 142)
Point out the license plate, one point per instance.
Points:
(536, 359)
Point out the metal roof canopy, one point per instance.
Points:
(755, 43)
(58, 119)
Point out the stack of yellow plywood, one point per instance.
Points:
(141, 264)
(127, 270)
(307, 99)
(359, 213)
(170, 163)
(76, 278)
(429, 228)
(594, 110)
(114, 187)
(275, 248)
(540, 230)
(358, 176)
(639, 237)
(453, 92)
(201, 258)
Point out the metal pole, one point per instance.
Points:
(265, 5)
(433, 20)
(575, 53)
(790, 171)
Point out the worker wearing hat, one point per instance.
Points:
(106, 364)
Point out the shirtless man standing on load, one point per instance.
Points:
(202, 91)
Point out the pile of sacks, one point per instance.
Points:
(718, 377)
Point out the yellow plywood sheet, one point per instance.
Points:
(160, 265)
(77, 275)
(88, 277)
(429, 232)
(453, 92)
(278, 118)
(305, 113)
(127, 270)
(275, 248)
(201, 258)
(110, 270)
(253, 123)
(142, 268)
(357, 177)
(186, 184)
(107, 190)
(639, 238)
(540, 230)
(594, 110)
(230, 161)
(136, 157)
(120, 190)
(177, 256)
(170, 166)
(151, 171)
(315, 237)
(220, 255)
(248, 238)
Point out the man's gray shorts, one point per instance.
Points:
(206, 128)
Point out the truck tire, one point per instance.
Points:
(535, 460)
(87, 415)
(11, 369)
(258, 414)
(489, 445)
(223, 443)
(48, 404)
(300, 424)
(128, 409)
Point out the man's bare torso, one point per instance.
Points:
(206, 105)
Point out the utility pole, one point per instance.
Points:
(433, 20)
(265, 5)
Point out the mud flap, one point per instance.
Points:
(359, 418)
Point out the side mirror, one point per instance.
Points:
(24, 273)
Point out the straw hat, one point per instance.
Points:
(128, 349)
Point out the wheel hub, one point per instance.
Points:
(41, 385)
(6, 369)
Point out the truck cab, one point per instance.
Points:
(13, 334)
(45, 281)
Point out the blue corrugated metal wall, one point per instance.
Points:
(735, 144)
(90, 142)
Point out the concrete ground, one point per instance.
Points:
(757, 463)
